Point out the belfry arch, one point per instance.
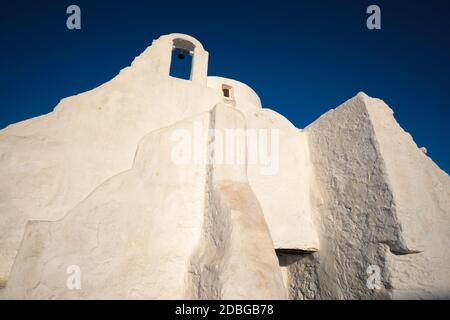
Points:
(188, 46)
(182, 59)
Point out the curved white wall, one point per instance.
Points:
(244, 96)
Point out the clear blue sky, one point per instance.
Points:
(325, 54)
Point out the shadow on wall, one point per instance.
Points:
(299, 270)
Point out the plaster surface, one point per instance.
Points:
(94, 184)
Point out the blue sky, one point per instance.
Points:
(302, 57)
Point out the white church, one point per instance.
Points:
(154, 186)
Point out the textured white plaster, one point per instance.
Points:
(94, 184)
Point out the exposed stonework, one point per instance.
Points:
(380, 201)
(94, 184)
